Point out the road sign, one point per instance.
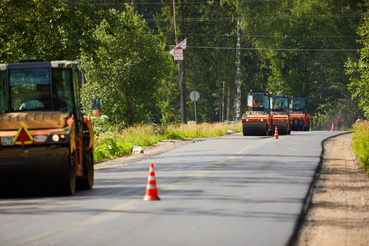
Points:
(178, 54)
(194, 96)
(182, 44)
(23, 136)
(177, 51)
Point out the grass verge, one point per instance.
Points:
(110, 145)
(360, 144)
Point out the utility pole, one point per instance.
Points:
(223, 102)
(238, 77)
(180, 75)
(228, 103)
(220, 116)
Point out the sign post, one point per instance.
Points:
(194, 95)
(177, 52)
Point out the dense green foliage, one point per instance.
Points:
(360, 143)
(126, 69)
(205, 65)
(359, 70)
(306, 44)
(303, 48)
(48, 29)
(297, 48)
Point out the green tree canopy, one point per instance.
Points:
(48, 29)
(127, 68)
(359, 70)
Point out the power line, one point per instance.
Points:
(253, 36)
(185, 3)
(355, 15)
(271, 49)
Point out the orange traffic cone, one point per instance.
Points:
(276, 133)
(332, 129)
(151, 190)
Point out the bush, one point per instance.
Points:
(360, 143)
(101, 125)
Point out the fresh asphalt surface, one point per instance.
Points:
(232, 190)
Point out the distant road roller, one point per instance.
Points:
(257, 120)
(279, 109)
(300, 119)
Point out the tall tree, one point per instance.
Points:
(48, 29)
(127, 68)
(359, 70)
(209, 61)
(305, 44)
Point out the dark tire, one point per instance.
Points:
(295, 125)
(284, 130)
(258, 131)
(87, 181)
(244, 130)
(307, 128)
(301, 126)
(69, 184)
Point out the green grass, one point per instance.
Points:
(360, 144)
(110, 145)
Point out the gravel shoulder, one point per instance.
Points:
(339, 213)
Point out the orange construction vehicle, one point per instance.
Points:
(257, 119)
(44, 136)
(300, 119)
(279, 109)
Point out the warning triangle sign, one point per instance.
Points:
(23, 136)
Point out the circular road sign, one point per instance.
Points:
(194, 96)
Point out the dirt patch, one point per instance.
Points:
(151, 151)
(339, 214)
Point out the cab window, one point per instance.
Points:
(29, 89)
(63, 89)
(3, 94)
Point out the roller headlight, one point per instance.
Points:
(60, 137)
(55, 138)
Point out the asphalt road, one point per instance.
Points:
(232, 190)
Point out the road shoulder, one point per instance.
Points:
(339, 213)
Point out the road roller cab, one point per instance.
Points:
(300, 119)
(256, 121)
(44, 135)
(279, 109)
